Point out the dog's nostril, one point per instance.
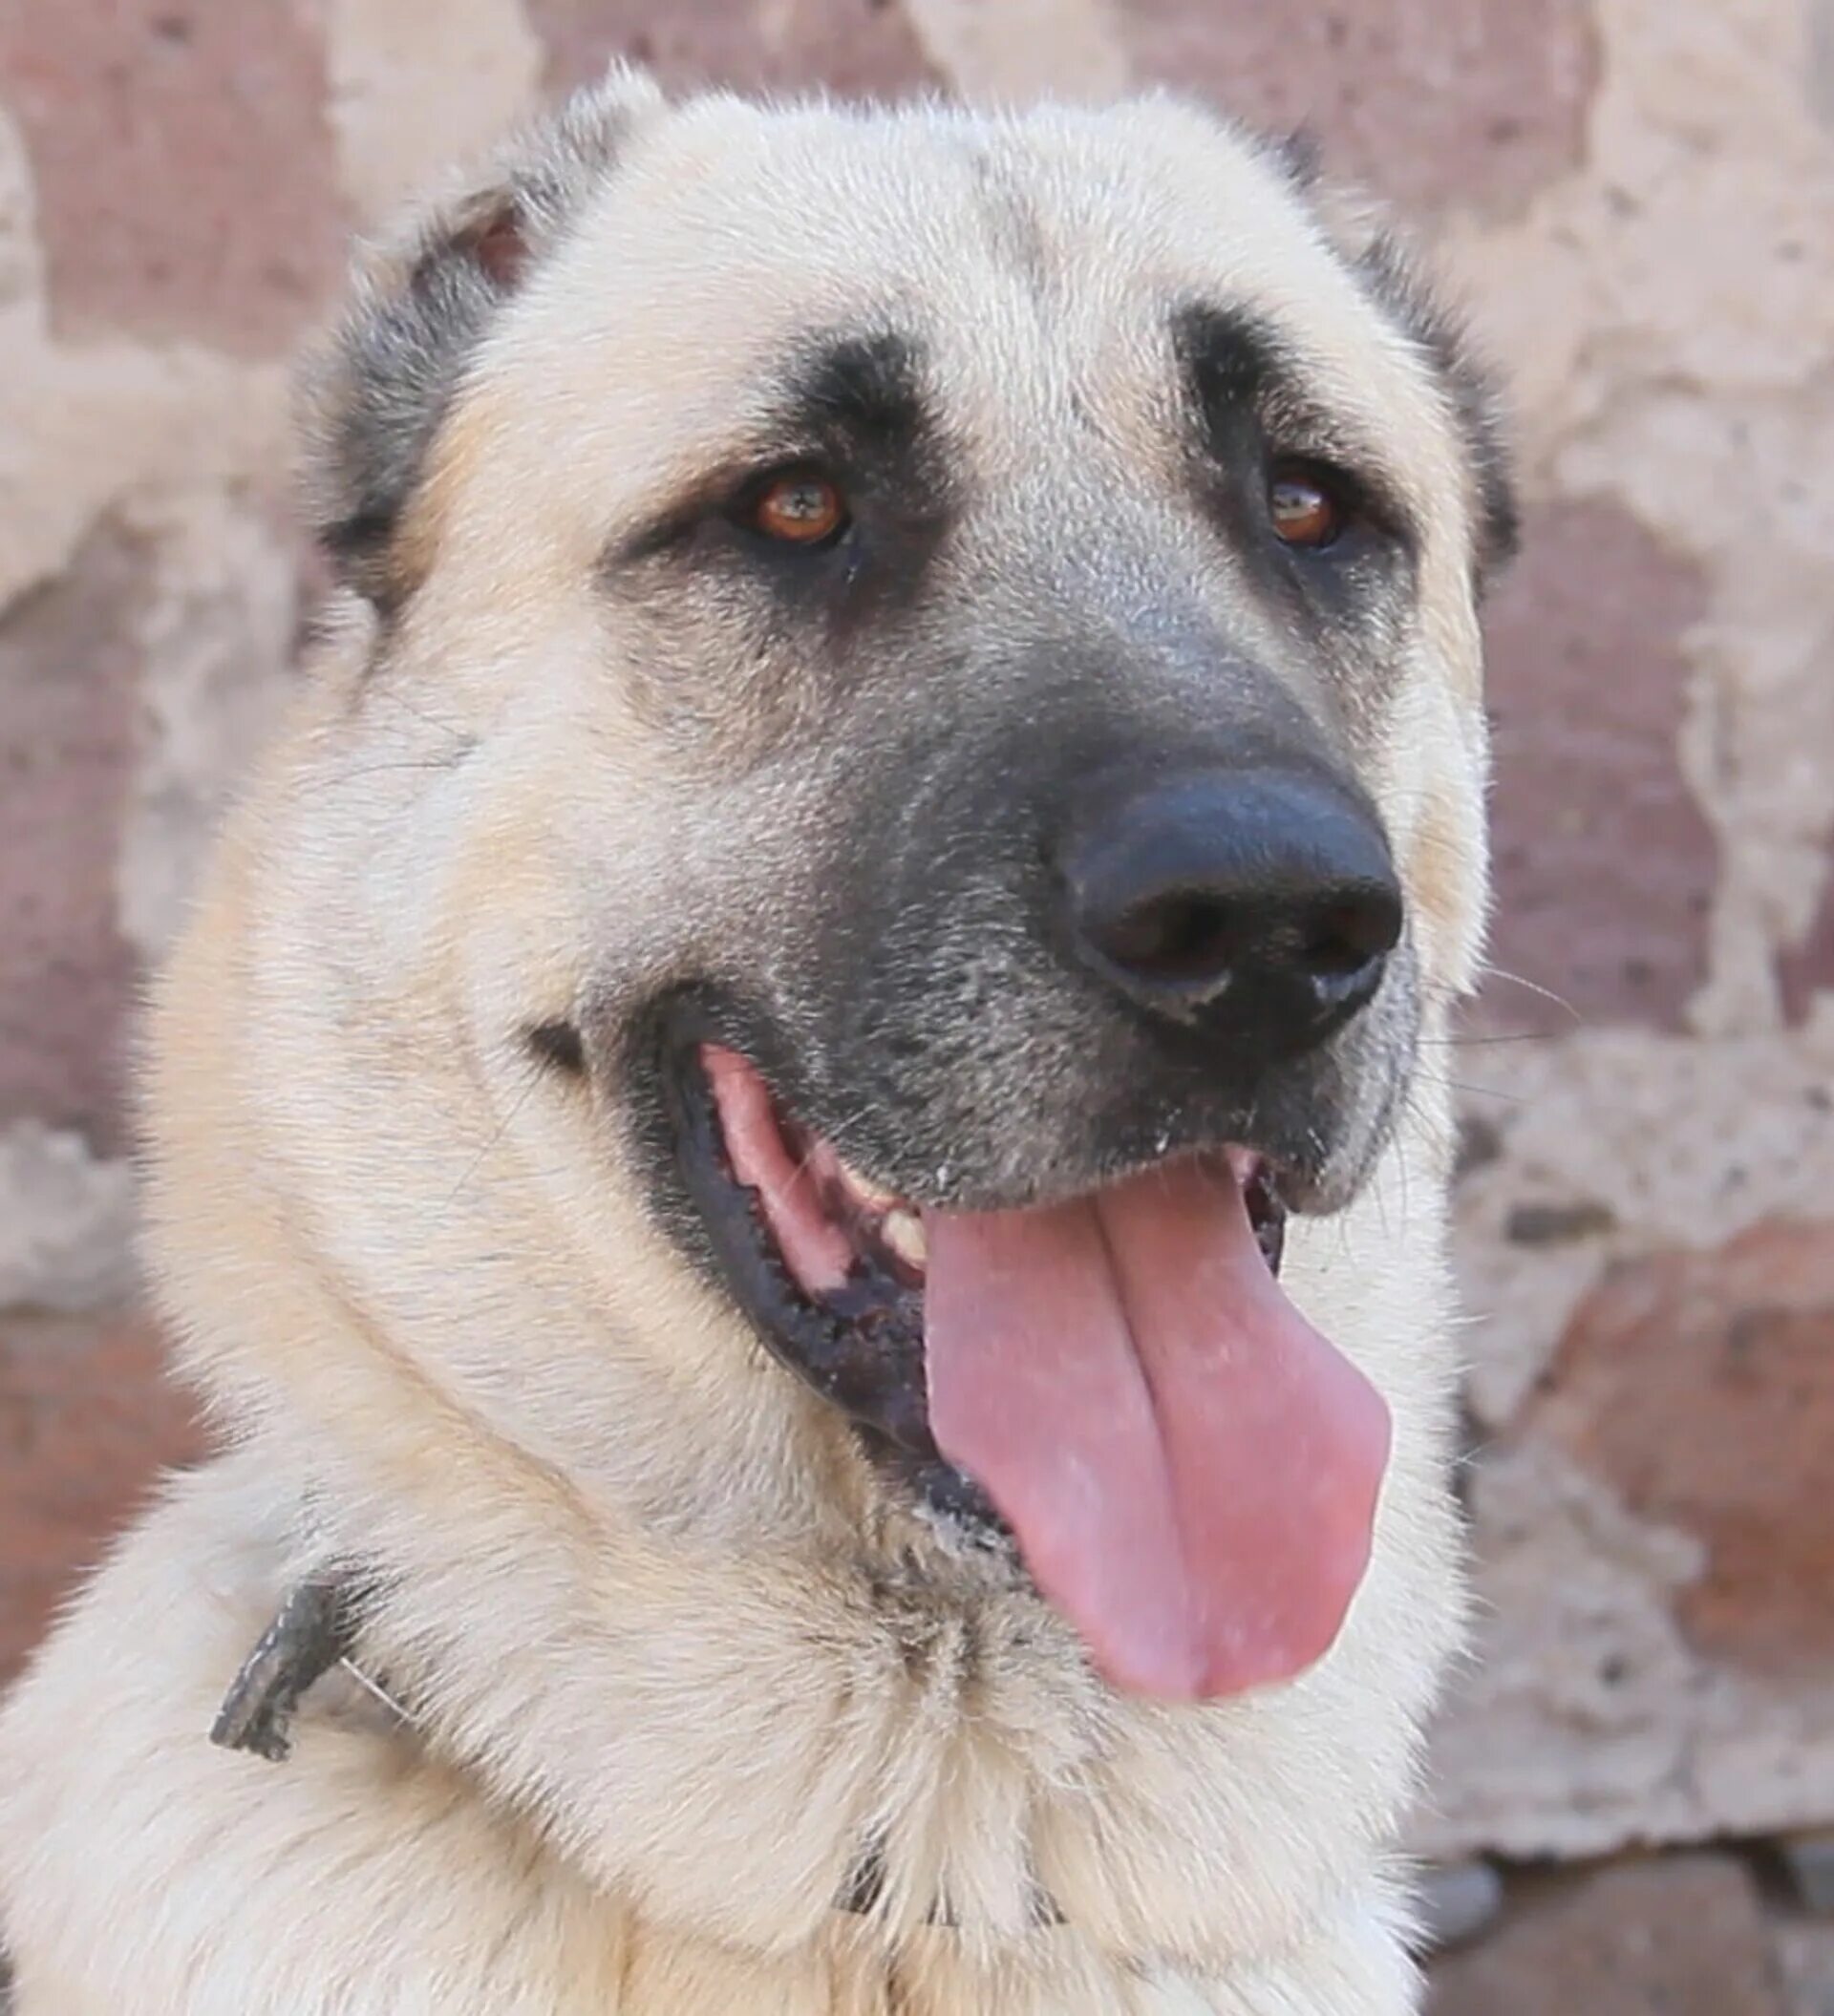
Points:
(1179, 936)
(1347, 936)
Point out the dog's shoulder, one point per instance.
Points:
(142, 1868)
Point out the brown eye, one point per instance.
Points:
(1303, 512)
(803, 509)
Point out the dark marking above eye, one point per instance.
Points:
(1234, 363)
(848, 410)
(1255, 409)
(866, 386)
(559, 1044)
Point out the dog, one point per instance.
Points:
(795, 1141)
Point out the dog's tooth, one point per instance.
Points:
(866, 1194)
(903, 1231)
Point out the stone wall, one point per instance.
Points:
(1638, 195)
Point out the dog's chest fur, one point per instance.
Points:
(364, 1866)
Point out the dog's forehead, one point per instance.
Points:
(1006, 248)
(916, 198)
(1034, 268)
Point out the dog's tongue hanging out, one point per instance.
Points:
(1190, 1468)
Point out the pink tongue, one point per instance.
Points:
(1192, 1469)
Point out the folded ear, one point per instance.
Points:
(421, 300)
(1389, 272)
(1386, 266)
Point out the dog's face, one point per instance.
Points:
(936, 663)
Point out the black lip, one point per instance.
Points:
(860, 1348)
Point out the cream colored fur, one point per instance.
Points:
(672, 1658)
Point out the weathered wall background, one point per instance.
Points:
(1639, 196)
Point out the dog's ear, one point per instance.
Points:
(422, 299)
(1385, 266)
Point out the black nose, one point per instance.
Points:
(1260, 903)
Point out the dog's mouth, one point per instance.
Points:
(1189, 1469)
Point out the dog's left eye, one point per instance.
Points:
(800, 508)
(1302, 508)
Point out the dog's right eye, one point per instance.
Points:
(798, 507)
(1302, 508)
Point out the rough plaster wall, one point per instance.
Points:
(1639, 196)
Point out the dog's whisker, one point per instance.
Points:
(434, 764)
(393, 697)
(1466, 1089)
(534, 1079)
(1488, 1042)
(1559, 1001)
(379, 1692)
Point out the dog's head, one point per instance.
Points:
(924, 723)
